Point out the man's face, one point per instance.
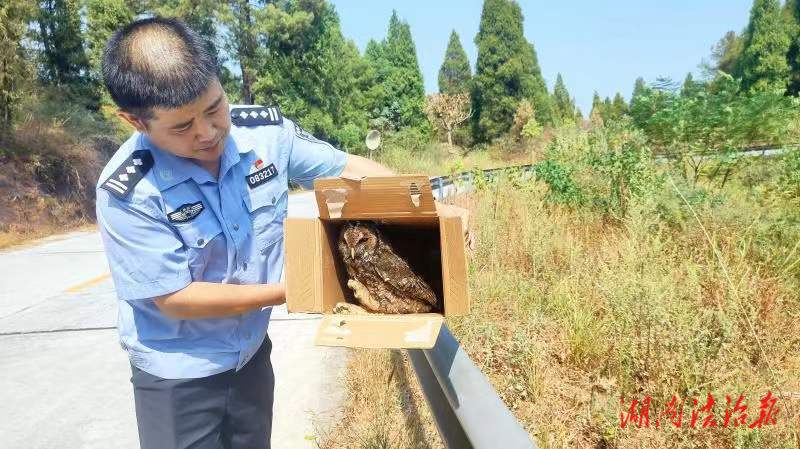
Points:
(196, 131)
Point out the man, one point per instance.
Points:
(191, 210)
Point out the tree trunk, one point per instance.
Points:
(246, 47)
(247, 94)
(450, 137)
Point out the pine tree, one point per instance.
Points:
(607, 110)
(690, 87)
(791, 12)
(241, 41)
(306, 38)
(199, 15)
(405, 83)
(597, 105)
(639, 109)
(103, 17)
(64, 60)
(507, 71)
(563, 105)
(726, 53)
(15, 69)
(639, 89)
(618, 107)
(455, 73)
(763, 64)
(399, 101)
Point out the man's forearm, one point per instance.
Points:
(213, 300)
(358, 166)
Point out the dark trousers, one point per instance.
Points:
(229, 410)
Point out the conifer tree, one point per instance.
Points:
(763, 64)
(690, 87)
(619, 107)
(64, 61)
(607, 109)
(103, 17)
(791, 13)
(726, 53)
(563, 105)
(507, 71)
(405, 83)
(15, 70)
(306, 38)
(597, 104)
(640, 110)
(241, 41)
(455, 73)
(199, 15)
(398, 98)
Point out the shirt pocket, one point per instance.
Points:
(201, 236)
(266, 205)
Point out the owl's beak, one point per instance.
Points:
(352, 253)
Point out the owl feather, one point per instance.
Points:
(390, 283)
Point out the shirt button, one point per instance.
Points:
(236, 227)
(244, 266)
(200, 242)
(273, 200)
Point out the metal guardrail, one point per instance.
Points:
(468, 412)
(444, 186)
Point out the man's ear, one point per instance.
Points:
(134, 120)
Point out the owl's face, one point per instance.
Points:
(360, 239)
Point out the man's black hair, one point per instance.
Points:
(157, 62)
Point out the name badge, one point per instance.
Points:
(261, 176)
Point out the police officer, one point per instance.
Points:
(190, 210)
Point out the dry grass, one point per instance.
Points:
(435, 160)
(572, 311)
(385, 407)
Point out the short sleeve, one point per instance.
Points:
(311, 158)
(147, 258)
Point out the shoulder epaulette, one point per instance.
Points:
(129, 173)
(256, 116)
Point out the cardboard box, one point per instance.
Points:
(404, 209)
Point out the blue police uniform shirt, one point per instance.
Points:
(178, 224)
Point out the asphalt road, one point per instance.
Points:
(65, 380)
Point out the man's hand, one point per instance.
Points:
(456, 211)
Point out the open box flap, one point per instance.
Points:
(303, 276)
(454, 266)
(374, 197)
(417, 331)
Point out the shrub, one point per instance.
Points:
(790, 176)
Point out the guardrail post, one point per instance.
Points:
(468, 412)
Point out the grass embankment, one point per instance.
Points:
(409, 152)
(690, 294)
(50, 163)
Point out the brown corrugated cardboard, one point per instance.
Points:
(404, 208)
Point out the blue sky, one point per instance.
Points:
(601, 45)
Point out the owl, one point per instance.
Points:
(381, 280)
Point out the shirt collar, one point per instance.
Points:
(171, 170)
